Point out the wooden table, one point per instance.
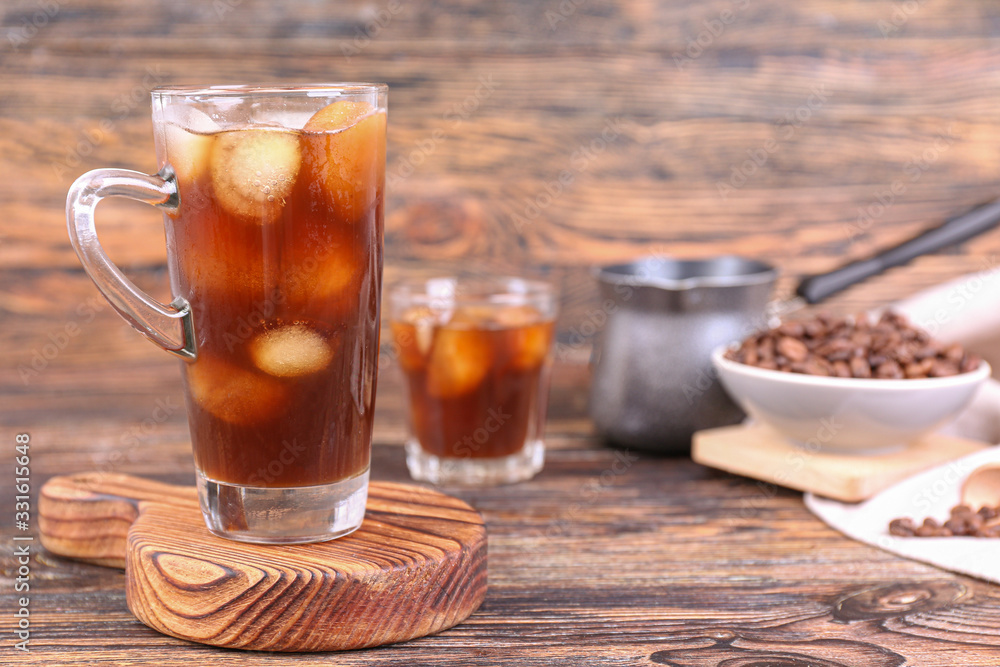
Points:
(606, 558)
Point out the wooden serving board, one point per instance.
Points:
(415, 567)
(757, 451)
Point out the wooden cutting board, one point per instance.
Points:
(757, 451)
(415, 567)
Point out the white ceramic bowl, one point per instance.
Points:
(847, 414)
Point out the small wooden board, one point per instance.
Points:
(415, 567)
(757, 451)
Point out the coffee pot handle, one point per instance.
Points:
(169, 326)
(955, 230)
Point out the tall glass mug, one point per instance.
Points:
(476, 354)
(273, 206)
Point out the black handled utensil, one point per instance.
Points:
(813, 289)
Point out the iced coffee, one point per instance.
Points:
(277, 245)
(476, 356)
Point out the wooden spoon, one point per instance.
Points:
(982, 487)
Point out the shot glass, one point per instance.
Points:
(477, 355)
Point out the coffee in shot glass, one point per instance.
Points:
(476, 355)
(273, 212)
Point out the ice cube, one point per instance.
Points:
(530, 336)
(211, 275)
(218, 260)
(187, 153)
(291, 350)
(515, 316)
(460, 360)
(234, 394)
(340, 269)
(414, 334)
(479, 317)
(344, 144)
(404, 335)
(190, 119)
(531, 346)
(338, 115)
(254, 170)
(423, 321)
(322, 268)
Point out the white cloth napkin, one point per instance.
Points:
(929, 494)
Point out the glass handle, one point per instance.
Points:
(169, 326)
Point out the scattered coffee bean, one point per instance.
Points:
(825, 345)
(903, 527)
(963, 522)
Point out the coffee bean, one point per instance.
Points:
(904, 353)
(792, 329)
(988, 531)
(876, 359)
(860, 368)
(963, 522)
(814, 328)
(956, 526)
(942, 369)
(889, 370)
(793, 348)
(825, 345)
(929, 351)
(954, 353)
(902, 527)
(818, 366)
(970, 363)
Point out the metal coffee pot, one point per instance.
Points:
(653, 385)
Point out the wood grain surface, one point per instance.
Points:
(877, 117)
(605, 558)
(416, 566)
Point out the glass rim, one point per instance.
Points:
(478, 290)
(268, 89)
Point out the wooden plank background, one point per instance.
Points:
(490, 102)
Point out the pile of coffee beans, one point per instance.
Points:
(890, 348)
(964, 521)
